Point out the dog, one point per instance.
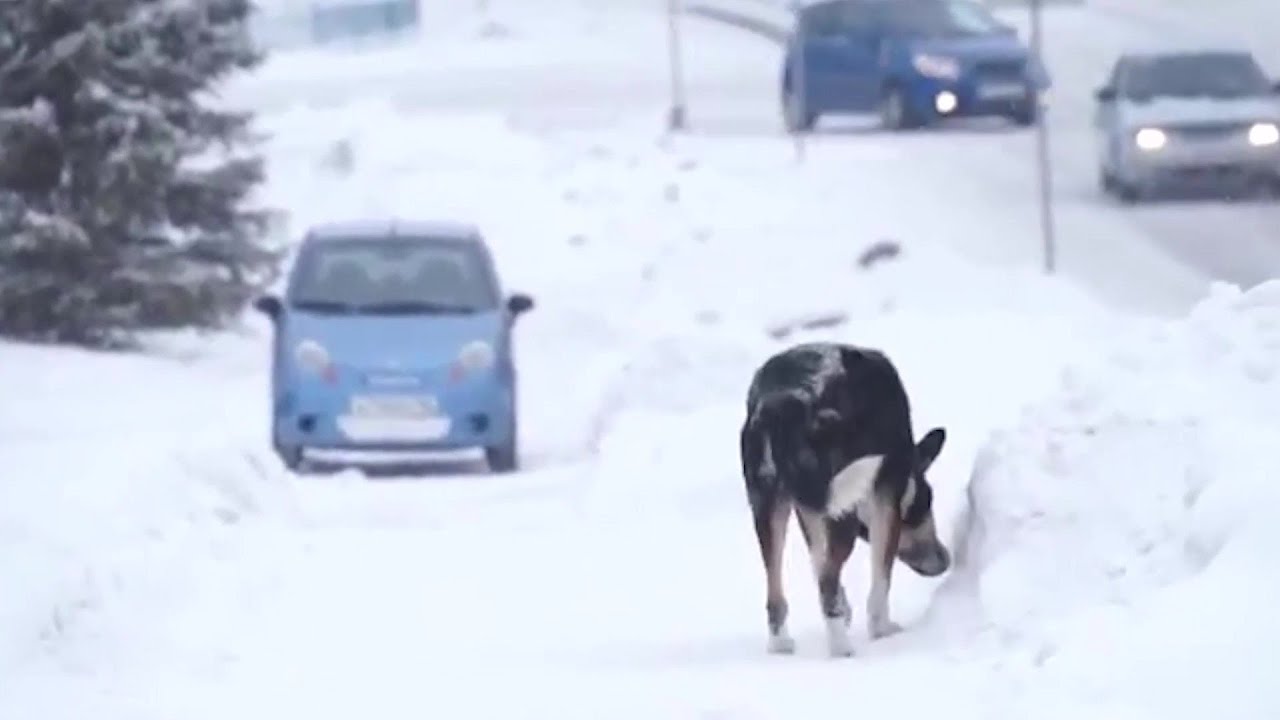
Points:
(828, 433)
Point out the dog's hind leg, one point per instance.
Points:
(830, 544)
(771, 514)
(885, 528)
(813, 528)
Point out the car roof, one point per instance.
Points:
(447, 230)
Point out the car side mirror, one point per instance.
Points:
(519, 303)
(270, 306)
(1105, 94)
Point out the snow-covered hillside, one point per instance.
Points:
(1103, 482)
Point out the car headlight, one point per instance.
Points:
(1264, 134)
(478, 355)
(936, 66)
(1150, 139)
(311, 355)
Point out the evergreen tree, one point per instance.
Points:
(123, 188)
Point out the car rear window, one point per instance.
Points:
(394, 275)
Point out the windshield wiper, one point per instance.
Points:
(415, 306)
(324, 306)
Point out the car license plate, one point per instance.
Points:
(993, 91)
(393, 406)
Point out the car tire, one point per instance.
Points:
(1128, 193)
(1108, 183)
(505, 458)
(795, 116)
(894, 112)
(1026, 114)
(292, 457)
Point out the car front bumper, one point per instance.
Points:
(973, 97)
(1210, 161)
(451, 415)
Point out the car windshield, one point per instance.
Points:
(1197, 75)
(392, 276)
(939, 18)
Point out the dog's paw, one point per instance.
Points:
(839, 644)
(781, 645)
(884, 629)
(846, 610)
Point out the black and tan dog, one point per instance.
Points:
(828, 433)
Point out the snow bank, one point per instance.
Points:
(117, 469)
(1122, 529)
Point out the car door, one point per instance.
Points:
(840, 50)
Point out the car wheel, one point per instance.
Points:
(292, 457)
(1107, 182)
(795, 115)
(894, 112)
(1129, 193)
(505, 458)
(1025, 115)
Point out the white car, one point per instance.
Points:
(1187, 118)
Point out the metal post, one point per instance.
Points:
(1044, 161)
(799, 87)
(677, 115)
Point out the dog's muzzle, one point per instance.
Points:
(928, 560)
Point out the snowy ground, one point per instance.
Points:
(1103, 480)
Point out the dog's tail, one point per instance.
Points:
(788, 428)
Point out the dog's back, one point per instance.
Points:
(814, 408)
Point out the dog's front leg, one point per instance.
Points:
(884, 530)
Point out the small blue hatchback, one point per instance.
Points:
(393, 336)
(912, 62)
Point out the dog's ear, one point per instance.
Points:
(929, 446)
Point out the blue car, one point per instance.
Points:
(912, 62)
(394, 336)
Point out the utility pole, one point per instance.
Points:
(677, 114)
(799, 99)
(1044, 160)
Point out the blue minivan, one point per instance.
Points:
(393, 336)
(912, 62)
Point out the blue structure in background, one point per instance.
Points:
(332, 21)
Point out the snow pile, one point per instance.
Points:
(1122, 530)
(118, 471)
